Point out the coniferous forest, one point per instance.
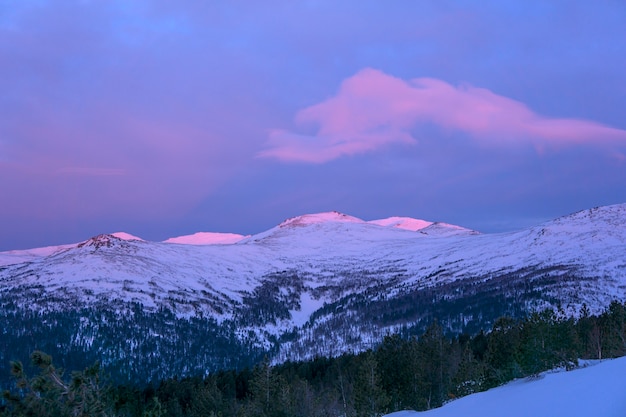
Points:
(401, 373)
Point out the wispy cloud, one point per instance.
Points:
(373, 109)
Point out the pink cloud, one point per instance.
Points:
(373, 110)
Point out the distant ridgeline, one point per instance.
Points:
(417, 373)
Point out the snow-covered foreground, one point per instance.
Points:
(598, 390)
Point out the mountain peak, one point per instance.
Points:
(445, 230)
(99, 241)
(207, 238)
(406, 223)
(317, 218)
(125, 236)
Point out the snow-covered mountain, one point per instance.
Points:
(407, 223)
(315, 284)
(206, 238)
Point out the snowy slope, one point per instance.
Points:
(125, 236)
(20, 256)
(329, 276)
(323, 247)
(147, 272)
(596, 390)
(29, 255)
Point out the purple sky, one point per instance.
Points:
(163, 118)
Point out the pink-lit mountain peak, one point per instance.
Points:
(108, 240)
(319, 218)
(125, 236)
(206, 238)
(100, 241)
(406, 223)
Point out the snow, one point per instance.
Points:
(207, 238)
(445, 229)
(406, 223)
(125, 236)
(331, 255)
(28, 255)
(317, 218)
(597, 390)
(325, 250)
(308, 305)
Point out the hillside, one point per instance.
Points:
(318, 284)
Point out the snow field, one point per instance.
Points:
(598, 390)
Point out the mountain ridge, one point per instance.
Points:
(347, 237)
(221, 238)
(317, 285)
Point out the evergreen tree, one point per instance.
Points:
(155, 409)
(566, 342)
(614, 321)
(206, 400)
(535, 350)
(264, 390)
(433, 355)
(502, 347)
(470, 375)
(49, 395)
(344, 386)
(397, 361)
(370, 399)
(584, 327)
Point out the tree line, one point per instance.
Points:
(417, 373)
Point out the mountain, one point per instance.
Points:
(125, 236)
(406, 223)
(316, 284)
(206, 238)
(595, 390)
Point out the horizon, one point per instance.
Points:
(162, 120)
(230, 236)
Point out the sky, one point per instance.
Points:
(163, 118)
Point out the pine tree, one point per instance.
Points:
(397, 371)
(502, 347)
(584, 327)
(433, 354)
(48, 394)
(615, 333)
(206, 400)
(370, 399)
(263, 388)
(155, 409)
(470, 375)
(534, 353)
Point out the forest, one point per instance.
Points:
(136, 344)
(416, 372)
